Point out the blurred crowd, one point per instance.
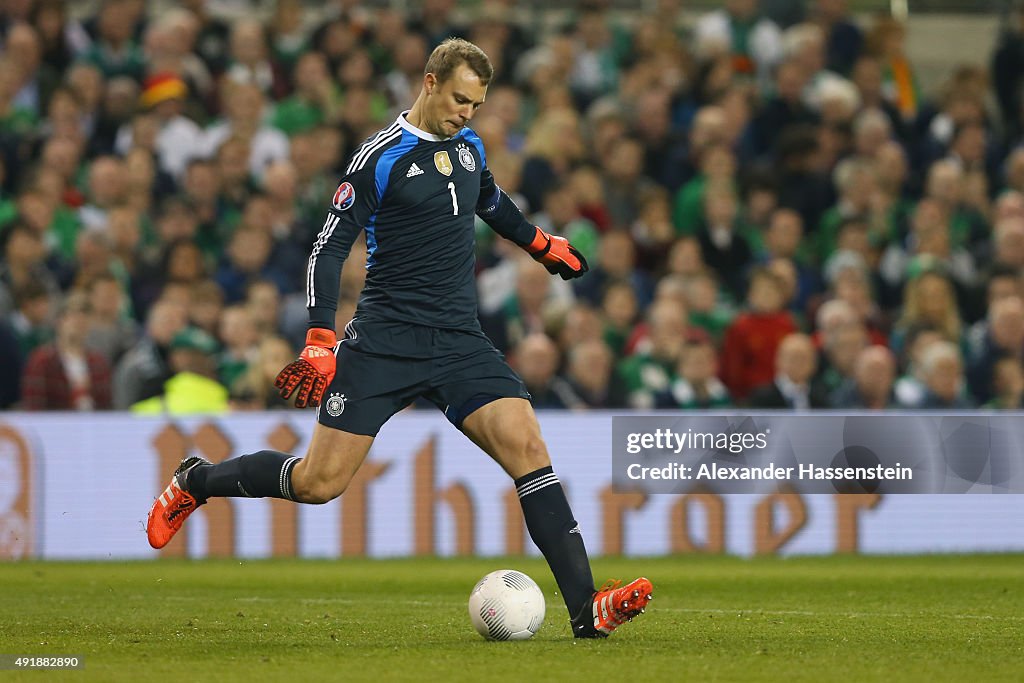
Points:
(776, 213)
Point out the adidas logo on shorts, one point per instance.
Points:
(414, 170)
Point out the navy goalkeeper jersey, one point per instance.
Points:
(415, 195)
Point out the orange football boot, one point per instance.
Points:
(173, 507)
(613, 605)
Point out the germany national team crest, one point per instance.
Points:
(466, 158)
(443, 163)
(336, 405)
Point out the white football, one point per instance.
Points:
(506, 605)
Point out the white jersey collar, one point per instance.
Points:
(421, 134)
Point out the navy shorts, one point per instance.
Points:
(384, 366)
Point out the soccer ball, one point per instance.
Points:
(506, 605)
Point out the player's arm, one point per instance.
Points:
(499, 211)
(354, 202)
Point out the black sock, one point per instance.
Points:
(256, 475)
(553, 529)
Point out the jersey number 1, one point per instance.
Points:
(455, 200)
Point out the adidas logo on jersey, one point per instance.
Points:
(414, 170)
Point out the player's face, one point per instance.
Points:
(451, 104)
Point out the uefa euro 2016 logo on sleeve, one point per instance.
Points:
(344, 196)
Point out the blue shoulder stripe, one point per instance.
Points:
(388, 159)
(470, 135)
(381, 176)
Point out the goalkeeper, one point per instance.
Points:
(414, 189)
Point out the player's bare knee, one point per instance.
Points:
(316, 490)
(533, 453)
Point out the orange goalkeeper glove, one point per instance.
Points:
(557, 255)
(312, 373)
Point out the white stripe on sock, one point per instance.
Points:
(284, 481)
(537, 484)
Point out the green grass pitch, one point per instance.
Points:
(933, 618)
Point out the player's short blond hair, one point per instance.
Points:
(447, 57)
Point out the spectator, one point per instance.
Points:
(58, 37)
(287, 34)
(1007, 384)
(782, 110)
(108, 182)
(65, 374)
(254, 390)
(212, 37)
(522, 313)
(263, 301)
(316, 99)
(562, 212)
(23, 46)
(1001, 283)
(405, 76)
(239, 343)
(112, 332)
(435, 22)
(792, 387)
(243, 107)
(839, 353)
(552, 146)
(115, 51)
(651, 371)
(944, 381)
(23, 263)
(581, 323)
(205, 305)
(709, 310)
(586, 382)
(251, 63)
(1004, 337)
(717, 168)
(696, 386)
(850, 282)
(142, 371)
(844, 38)
(248, 258)
(784, 239)
(886, 40)
(191, 388)
(879, 119)
(854, 179)
(652, 231)
(751, 342)
(929, 299)
(754, 43)
(871, 386)
(620, 311)
(616, 261)
(535, 358)
(723, 244)
(910, 388)
(31, 321)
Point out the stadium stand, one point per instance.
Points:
(733, 181)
